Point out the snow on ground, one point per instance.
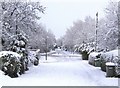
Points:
(61, 53)
(61, 71)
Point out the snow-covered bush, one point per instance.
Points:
(85, 49)
(18, 43)
(10, 63)
(93, 56)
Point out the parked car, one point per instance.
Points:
(34, 56)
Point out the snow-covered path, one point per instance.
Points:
(61, 71)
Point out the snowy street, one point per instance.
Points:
(63, 70)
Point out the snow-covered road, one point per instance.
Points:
(61, 71)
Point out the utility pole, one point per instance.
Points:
(96, 31)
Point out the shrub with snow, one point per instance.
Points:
(18, 43)
(10, 63)
(85, 49)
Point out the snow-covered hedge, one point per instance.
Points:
(85, 49)
(88, 47)
(10, 63)
(92, 57)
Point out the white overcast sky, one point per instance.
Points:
(60, 14)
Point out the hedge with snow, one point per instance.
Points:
(85, 49)
(14, 60)
(10, 63)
